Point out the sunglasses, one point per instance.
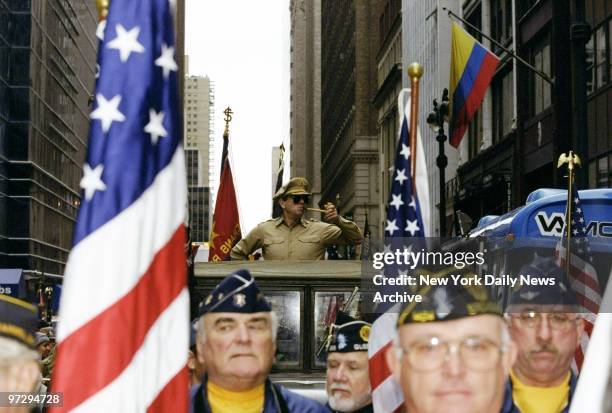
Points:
(297, 198)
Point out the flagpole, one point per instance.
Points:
(496, 43)
(415, 71)
(572, 162)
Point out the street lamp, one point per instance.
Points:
(436, 120)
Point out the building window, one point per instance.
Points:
(600, 172)
(501, 20)
(475, 135)
(502, 106)
(540, 88)
(598, 57)
(590, 68)
(601, 70)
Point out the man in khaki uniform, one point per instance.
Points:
(291, 236)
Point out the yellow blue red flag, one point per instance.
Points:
(472, 68)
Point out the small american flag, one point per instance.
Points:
(124, 325)
(582, 274)
(407, 216)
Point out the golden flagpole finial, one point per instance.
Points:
(102, 6)
(228, 118)
(572, 160)
(415, 71)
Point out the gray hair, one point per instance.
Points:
(201, 330)
(12, 351)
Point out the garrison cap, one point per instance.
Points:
(295, 186)
(237, 293)
(349, 335)
(449, 302)
(558, 293)
(18, 320)
(41, 338)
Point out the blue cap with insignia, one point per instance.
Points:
(349, 334)
(449, 302)
(237, 293)
(18, 320)
(547, 285)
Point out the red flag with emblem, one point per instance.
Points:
(226, 222)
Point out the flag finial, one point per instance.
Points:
(571, 160)
(228, 118)
(415, 70)
(102, 6)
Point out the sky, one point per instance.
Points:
(243, 47)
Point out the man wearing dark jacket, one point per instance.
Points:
(236, 341)
(348, 380)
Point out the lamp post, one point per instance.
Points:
(435, 120)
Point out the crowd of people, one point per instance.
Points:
(456, 351)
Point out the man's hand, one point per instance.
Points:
(331, 213)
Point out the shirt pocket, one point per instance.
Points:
(309, 248)
(274, 248)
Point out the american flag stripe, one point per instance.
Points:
(124, 315)
(114, 353)
(381, 373)
(582, 275)
(166, 400)
(143, 371)
(393, 399)
(118, 250)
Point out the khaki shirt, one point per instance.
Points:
(307, 240)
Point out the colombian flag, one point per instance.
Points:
(472, 68)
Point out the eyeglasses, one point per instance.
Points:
(297, 198)
(557, 321)
(477, 353)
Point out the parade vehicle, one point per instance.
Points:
(533, 231)
(305, 295)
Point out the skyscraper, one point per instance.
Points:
(47, 69)
(198, 105)
(349, 136)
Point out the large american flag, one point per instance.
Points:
(407, 216)
(124, 314)
(582, 274)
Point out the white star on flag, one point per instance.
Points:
(166, 60)
(412, 203)
(107, 111)
(126, 42)
(391, 227)
(155, 126)
(412, 226)
(92, 180)
(401, 176)
(100, 30)
(405, 151)
(397, 201)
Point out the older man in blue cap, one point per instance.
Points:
(19, 370)
(237, 341)
(348, 380)
(453, 353)
(547, 328)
